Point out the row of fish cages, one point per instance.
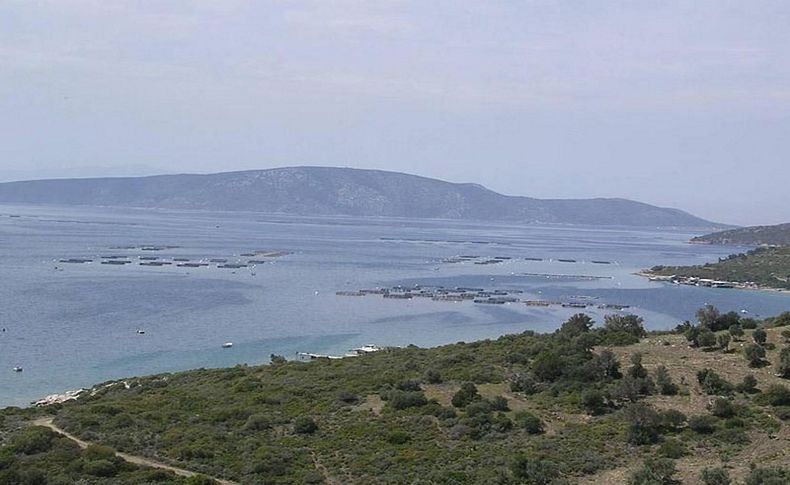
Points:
(477, 295)
(485, 260)
(180, 262)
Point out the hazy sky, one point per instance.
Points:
(678, 103)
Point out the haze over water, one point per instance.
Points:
(77, 326)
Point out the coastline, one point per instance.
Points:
(737, 285)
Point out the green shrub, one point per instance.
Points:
(703, 424)
(643, 424)
(466, 395)
(101, 468)
(664, 382)
(715, 476)
(398, 437)
(529, 422)
(672, 448)
(32, 440)
(722, 408)
(305, 425)
(659, 471)
(534, 471)
(406, 399)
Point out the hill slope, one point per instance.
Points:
(339, 191)
(777, 235)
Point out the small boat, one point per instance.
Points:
(18, 369)
(227, 345)
(140, 332)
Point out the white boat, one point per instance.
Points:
(366, 349)
(17, 369)
(227, 345)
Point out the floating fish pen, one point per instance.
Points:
(192, 265)
(502, 258)
(149, 258)
(116, 262)
(533, 259)
(271, 254)
(349, 293)
(181, 260)
(247, 255)
(156, 263)
(489, 261)
(113, 257)
(583, 297)
(75, 260)
(376, 291)
(566, 260)
(453, 298)
(540, 303)
(398, 296)
(232, 266)
(613, 306)
(601, 262)
(568, 276)
(218, 260)
(574, 305)
(453, 260)
(490, 301)
(256, 261)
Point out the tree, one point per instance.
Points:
(277, 359)
(755, 354)
(712, 383)
(547, 366)
(736, 331)
(432, 376)
(702, 424)
(664, 382)
(466, 395)
(707, 316)
(715, 476)
(607, 364)
(722, 408)
(786, 335)
(576, 325)
(723, 339)
(631, 324)
(759, 336)
(783, 366)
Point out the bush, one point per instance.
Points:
(776, 395)
(759, 336)
(664, 382)
(643, 424)
(637, 371)
(713, 383)
(305, 425)
(406, 399)
(767, 476)
(547, 366)
(534, 471)
(703, 424)
(755, 355)
(499, 403)
(783, 366)
(672, 448)
(398, 437)
(432, 376)
(529, 422)
(706, 338)
(257, 422)
(32, 440)
(748, 385)
(630, 324)
(524, 383)
(466, 395)
(671, 419)
(594, 401)
(722, 408)
(715, 476)
(101, 468)
(736, 331)
(723, 340)
(655, 472)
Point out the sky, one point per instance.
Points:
(675, 103)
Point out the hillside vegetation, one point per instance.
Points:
(603, 404)
(339, 191)
(777, 235)
(767, 267)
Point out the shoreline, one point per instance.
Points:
(736, 284)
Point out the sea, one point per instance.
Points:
(73, 325)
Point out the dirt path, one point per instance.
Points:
(137, 460)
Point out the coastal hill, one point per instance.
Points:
(340, 191)
(584, 404)
(777, 235)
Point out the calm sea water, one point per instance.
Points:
(77, 326)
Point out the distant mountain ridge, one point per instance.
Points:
(776, 235)
(340, 191)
